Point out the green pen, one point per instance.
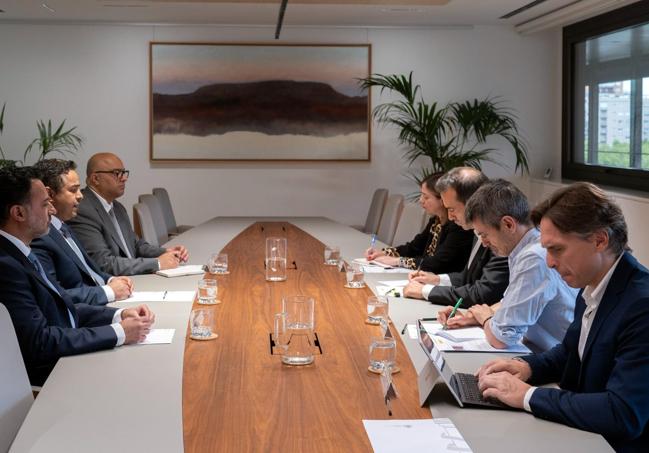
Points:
(457, 305)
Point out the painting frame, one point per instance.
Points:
(360, 109)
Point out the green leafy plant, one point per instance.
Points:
(49, 140)
(54, 140)
(450, 136)
(4, 162)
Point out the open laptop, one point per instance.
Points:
(463, 386)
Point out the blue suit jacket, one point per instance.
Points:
(607, 393)
(40, 316)
(63, 266)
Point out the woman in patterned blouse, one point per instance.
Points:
(442, 246)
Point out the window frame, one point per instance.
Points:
(628, 16)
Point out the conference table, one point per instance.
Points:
(232, 394)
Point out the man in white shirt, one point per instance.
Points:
(59, 251)
(602, 364)
(48, 325)
(104, 228)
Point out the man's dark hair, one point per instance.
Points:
(15, 188)
(495, 200)
(464, 180)
(51, 172)
(431, 180)
(583, 208)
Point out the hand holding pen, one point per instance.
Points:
(453, 312)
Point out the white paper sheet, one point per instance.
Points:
(430, 436)
(159, 336)
(413, 333)
(394, 283)
(389, 290)
(161, 296)
(477, 345)
(187, 269)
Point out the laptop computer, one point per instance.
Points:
(463, 386)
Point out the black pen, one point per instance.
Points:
(429, 319)
(164, 296)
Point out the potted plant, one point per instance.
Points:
(50, 140)
(450, 136)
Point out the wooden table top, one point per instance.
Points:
(239, 397)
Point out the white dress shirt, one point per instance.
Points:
(592, 298)
(117, 316)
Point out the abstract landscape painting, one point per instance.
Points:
(259, 102)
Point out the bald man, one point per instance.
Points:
(103, 226)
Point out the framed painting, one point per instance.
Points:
(254, 102)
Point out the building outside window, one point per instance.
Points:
(606, 99)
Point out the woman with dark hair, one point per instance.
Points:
(441, 247)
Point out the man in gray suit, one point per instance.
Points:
(103, 226)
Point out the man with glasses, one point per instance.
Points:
(103, 226)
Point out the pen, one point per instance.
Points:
(373, 241)
(457, 305)
(164, 296)
(403, 331)
(429, 319)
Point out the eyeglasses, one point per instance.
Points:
(118, 173)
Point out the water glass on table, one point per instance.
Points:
(218, 263)
(331, 255)
(377, 310)
(355, 276)
(276, 252)
(201, 324)
(207, 291)
(383, 353)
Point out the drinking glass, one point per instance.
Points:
(276, 249)
(201, 324)
(383, 353)
(294, 330)
(207, 290)
(331, 255)
(355, 277)
(218, 263)
(377, 310)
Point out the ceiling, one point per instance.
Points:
(370, 13)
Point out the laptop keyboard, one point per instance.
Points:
(470, 393)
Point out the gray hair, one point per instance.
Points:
(495, 200)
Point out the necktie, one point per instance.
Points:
(39, 268)
(112, 216)
(474, 252)
(65, 231)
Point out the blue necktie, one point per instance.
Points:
(65, 231)
(39, 268)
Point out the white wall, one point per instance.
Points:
(96, 76)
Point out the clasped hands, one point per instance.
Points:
(137, 323)
(416, 282)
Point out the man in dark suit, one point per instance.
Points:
(48, 325)
(103, 226)
(486, 276)
(602, 365)
(60, 252)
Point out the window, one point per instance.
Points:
(606, 98)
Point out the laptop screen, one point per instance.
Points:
(437, 358)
